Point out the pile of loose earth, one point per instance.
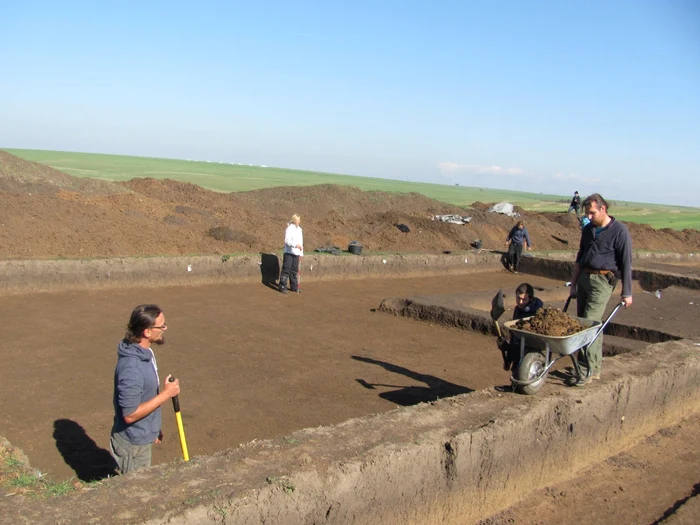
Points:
(551, 322)
(45, 213)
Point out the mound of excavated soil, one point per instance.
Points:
(551, 322)
(45, 213)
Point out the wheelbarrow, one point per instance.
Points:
(535, 364)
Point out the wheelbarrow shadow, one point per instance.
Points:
(412, 395)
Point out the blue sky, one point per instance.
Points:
(542, 96)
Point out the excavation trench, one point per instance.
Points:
(455, 459)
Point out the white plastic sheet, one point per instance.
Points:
(505, 208)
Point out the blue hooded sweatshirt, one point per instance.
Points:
(135, 382)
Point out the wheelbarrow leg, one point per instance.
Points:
(578, 376)
(577, 367)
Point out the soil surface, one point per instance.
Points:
(252, 363)
(45, 213)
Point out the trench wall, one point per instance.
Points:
(557, 268)
(49, 275)
(20, 276)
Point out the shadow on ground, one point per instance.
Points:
(412, 395)
(81, 453)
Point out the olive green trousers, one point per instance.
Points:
(593, 292)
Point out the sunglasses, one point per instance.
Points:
(161, 327)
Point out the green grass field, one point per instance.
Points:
(233, 177)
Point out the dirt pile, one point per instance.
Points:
(551, 322)
(45, 213)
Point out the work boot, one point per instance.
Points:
(283, 283)
(583, 381)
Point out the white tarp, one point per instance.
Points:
(454, 219)
(505, 208)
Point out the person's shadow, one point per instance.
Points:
(81, 453)
(270, 269)
(505, 260)
(412, 395)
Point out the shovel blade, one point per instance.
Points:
(497, 306)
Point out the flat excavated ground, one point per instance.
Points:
(252, 363)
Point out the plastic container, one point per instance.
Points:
(355, 248)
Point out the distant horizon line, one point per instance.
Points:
(329, 173)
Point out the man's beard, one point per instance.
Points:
(160, 341)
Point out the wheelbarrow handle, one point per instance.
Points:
(607, 320)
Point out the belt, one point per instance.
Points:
(597, 272)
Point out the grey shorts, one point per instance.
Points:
(128, 456)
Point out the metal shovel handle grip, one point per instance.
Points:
(176, 401)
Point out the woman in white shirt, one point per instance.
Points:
(293, 249)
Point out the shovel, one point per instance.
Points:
(497, 309)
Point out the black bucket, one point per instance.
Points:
(355, 248)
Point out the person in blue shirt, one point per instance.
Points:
(518, 237)
(137, 393)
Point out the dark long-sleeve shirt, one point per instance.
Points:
(610, 249)
(517, 236)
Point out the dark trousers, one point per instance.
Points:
(290, 272)
(512, 349)
(515, 253)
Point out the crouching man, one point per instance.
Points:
(526, 305)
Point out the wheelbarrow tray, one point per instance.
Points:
(564, 345)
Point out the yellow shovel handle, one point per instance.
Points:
(181, 432)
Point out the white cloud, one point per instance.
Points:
(451, 168)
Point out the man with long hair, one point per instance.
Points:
(137, 393)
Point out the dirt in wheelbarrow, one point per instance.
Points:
(551, 322)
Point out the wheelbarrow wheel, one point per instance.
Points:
(532, 366)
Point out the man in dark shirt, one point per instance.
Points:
(604, 256)
(526, 305)
(518, 237)
(575, 205)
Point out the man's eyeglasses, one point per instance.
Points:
(161, 327)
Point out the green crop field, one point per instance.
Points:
(235, 177)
